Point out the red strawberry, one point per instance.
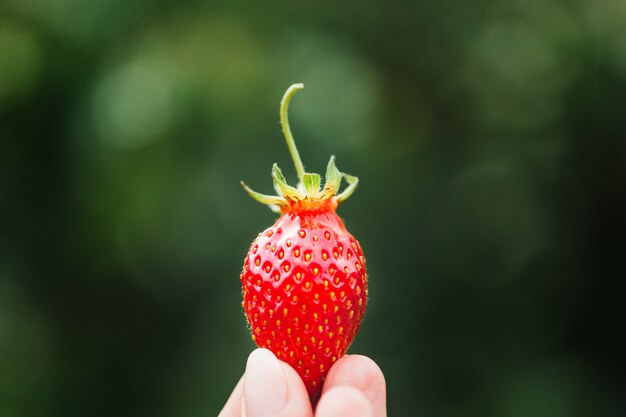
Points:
(304, 279)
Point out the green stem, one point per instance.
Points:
(284, 121)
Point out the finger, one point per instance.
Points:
(344, 401)
(299, 401)
(272, 388)
(232, 408)
(361, 373)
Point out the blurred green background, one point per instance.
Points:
(489, 138)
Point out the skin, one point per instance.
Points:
(355, 386)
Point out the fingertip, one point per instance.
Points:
(358, 371)
(265, 385)
(299, 404)
(273, 388)
(344, 401)
(363, 374)
(261, 354)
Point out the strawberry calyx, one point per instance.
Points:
(308, 195)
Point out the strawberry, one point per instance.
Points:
(304, 280)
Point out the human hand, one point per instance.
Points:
(354, 386)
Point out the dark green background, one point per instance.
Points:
(489, 138)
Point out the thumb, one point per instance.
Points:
(272, 388)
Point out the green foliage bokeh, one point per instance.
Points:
(490, 143)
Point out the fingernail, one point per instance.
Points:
(265, 387)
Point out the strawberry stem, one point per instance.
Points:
(284, 121)
(307, 195)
